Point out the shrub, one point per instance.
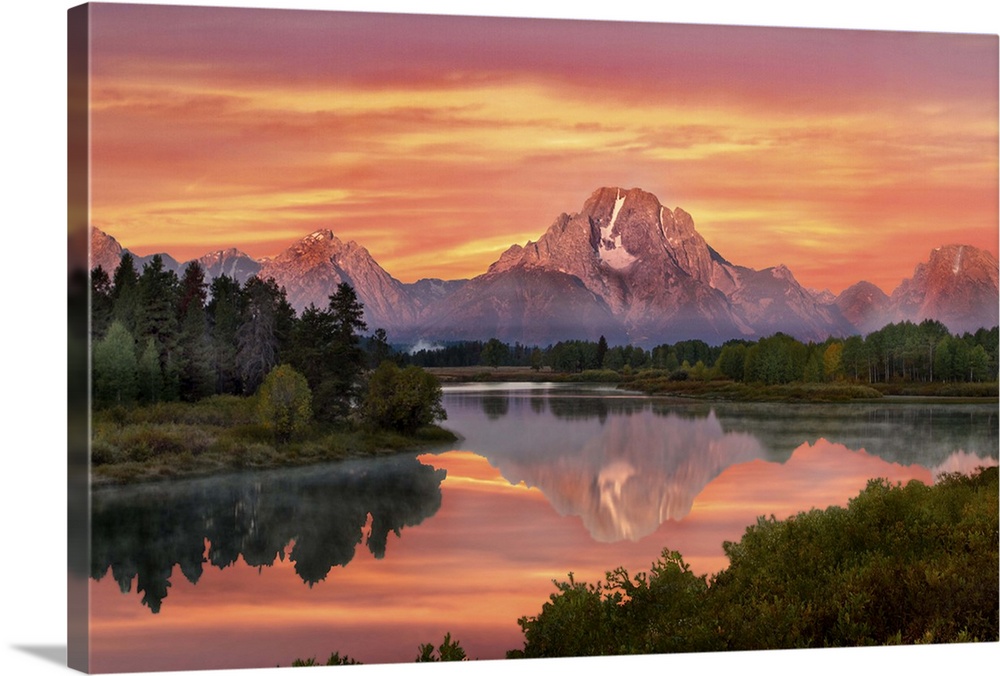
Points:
(402, 399)
(284, 402)
(900, 564)
(335, 659)
(448, 651)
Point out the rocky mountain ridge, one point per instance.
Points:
(626, 267)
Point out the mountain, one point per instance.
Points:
(626, 267)
(310, 270)
(169, 262)
(105, 251)
(230, 262)
(532, 307)
(957, 286)
(651, 278)
(428, 291)
(864, 305)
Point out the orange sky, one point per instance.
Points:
(436, 142)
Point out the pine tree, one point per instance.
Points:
(157, 314)
(101, 302)
(197, 378)
(340, 387)
(259, 337)
(602, 351)
(125, 293)
(194, 349)
(225, 312)
(379, 349)
(150, 377)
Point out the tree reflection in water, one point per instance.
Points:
(141, 533)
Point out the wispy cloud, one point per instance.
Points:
(436, 148)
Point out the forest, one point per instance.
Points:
(191, 376)
(898, 352)
(159, 337)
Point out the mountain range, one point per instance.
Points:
(625, 267)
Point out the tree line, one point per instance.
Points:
(159, 336)
(904, 351)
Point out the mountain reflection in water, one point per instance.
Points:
(141, 533)
(625, 465)
(546, 480)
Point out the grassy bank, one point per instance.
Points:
(958, 390)
(664, 383)
(500, 374)
(221, 433)
(728, 390)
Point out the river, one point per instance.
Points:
(373, 557)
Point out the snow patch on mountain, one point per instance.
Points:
(611, 249)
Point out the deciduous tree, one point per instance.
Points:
(284, 402)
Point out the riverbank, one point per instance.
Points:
(218, 434)
(661, 383)
(839, 392)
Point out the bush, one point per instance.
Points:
(284, 402)
(402, 399)
(900, 564)
(448, 651)
(335, 659)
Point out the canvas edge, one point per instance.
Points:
(78, 338)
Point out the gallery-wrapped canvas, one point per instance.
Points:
(407, 338)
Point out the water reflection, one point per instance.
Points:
(625, 465)
(140, 533)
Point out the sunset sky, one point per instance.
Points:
(437, 142)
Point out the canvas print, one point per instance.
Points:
(410, 338)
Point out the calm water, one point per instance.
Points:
(372, 558)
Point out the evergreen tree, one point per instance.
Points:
(340, 386)
(150, 377)
(310, 351)
(125, 293)
(225, 313)
(495, 353)
(348, 315)
(257, 337)
(101, 302)
(194, 350)
(379, 349)
(196, 375)
(192, 288)
(156, 316)
(602, 351)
